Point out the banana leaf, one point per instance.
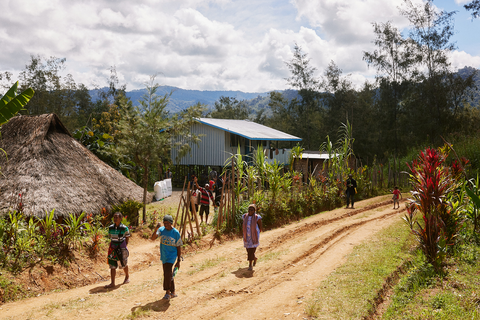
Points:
(11, 103)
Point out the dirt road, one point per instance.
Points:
(215, 283)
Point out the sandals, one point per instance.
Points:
(169, 296)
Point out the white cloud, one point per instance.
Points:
(460, 59)
(196, 44)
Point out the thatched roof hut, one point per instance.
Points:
(52, 170)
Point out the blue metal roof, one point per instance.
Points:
(248, 129)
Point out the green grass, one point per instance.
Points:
(139, 314)
(10, 291)
(205, 264)
(350, 291)
(421, 294)
(272, 255)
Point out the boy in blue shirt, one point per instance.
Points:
(170, 250)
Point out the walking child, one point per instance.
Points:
(252, 225)
(117, 251)
(396, 195)
(170, 250)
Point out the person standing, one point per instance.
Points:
(351, 190)
(252, 226)
(170, 250)
(195, 200)
(396, 195)
(217, 189)
(117, 256)
(205, 198)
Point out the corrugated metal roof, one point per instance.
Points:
(249, 129)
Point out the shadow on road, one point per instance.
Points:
(243, 273)
(157, 306)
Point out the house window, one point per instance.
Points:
(234, 140)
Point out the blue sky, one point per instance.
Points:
(207, 44)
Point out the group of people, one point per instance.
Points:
(201, 196)
(351, 190)
(171, 241)
(171, 247)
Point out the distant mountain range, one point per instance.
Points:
(182, 98)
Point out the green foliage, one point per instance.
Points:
(148, 133)
(230, 108)
(295, 153)
(129, 210)
(11, 103)
(9, 291)
(74, 225)
(473, 211)
(95, 233)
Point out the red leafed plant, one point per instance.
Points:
(433, 184)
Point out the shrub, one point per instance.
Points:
(433, 186)
(129, 210)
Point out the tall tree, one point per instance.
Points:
(393, 62)
(428, 104)
(339, 99)
(306, 112)
(147, 132)
(230, 108)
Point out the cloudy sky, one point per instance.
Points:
(207, 44)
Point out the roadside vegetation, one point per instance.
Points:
(425, 267)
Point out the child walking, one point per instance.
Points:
(252, 225)
(396, 195)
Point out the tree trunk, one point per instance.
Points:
(145, 185)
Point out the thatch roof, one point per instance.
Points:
(52, 170)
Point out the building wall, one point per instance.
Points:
(217, 146)
(209, 151)
(307, 166)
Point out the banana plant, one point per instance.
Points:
(11, 103)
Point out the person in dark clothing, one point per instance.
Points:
(351, 190)
(217, 189)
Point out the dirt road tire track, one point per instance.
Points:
(292, 262)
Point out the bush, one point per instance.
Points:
(129, 210)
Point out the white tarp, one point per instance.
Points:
(157, 187)
(162, 189)
(168, 182)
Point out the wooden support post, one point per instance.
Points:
(220, 209)
(194, 211)
(180, 203)
(183, 223)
